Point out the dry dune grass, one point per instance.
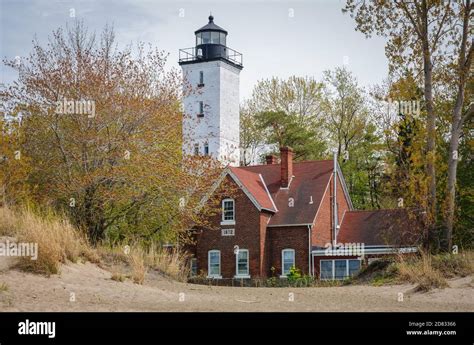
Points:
(58, 241)
(134, 261)
(172, 263)
(8, 222)
(431, 271)
(137, 263)
(421, 272)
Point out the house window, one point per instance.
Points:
(353, 267)
(201, 78)
(326, 270)
(228, 211)
(287, 261)
(214, 264)
(206, 149)
(196, 149)
(338, 269)
(242, 263)
(194, 267)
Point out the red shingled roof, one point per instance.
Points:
(380, 227)
(254, 185)
(310, 180)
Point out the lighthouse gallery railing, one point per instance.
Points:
(194, 54)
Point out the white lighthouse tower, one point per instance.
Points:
(211, 102)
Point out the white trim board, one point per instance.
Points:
(368, 250)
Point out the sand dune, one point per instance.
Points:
(86, 287)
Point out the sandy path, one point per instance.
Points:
(95, 291)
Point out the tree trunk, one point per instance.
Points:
(464, 65)
(452, 171)
(430, 135)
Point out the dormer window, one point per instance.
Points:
(228, 212)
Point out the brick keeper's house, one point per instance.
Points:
(295, 214)
(284, 213)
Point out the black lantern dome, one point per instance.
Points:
(211, 40)
(211, 27)
(211, 44)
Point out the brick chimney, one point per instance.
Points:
(286, 154)
(271, 159)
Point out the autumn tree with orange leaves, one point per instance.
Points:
(98, 131)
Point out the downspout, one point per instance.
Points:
(335, 221)
(309, 250)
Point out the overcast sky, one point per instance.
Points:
(276, 38)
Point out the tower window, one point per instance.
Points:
(206, 37)
(196, 149)
(201, 79)
(222, 39)
(201, 109)
(214, 37)
(206, 149)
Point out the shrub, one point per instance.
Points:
(452, 265)
(303, 281)
(379, 272)
(293, 275)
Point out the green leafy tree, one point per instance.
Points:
(429, 37)
(283, 129)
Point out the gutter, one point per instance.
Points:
(288, 225)
(310, 227)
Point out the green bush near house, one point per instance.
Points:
(293, 275)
